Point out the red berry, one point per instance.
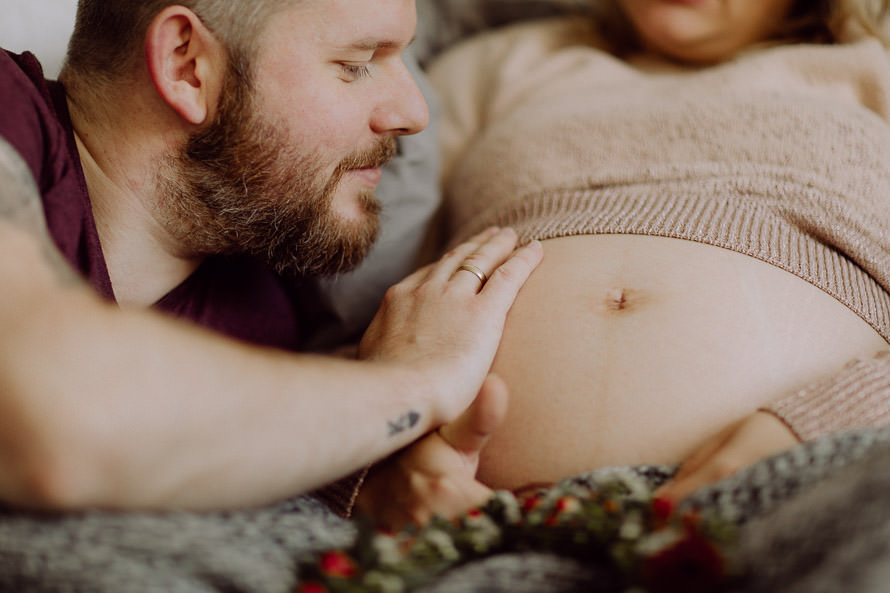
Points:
(663, 508)
(567, 504)
(337, 564)
(532, 503)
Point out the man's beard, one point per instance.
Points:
(239, 187)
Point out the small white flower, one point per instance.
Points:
(632, 527)
(442, 543)
(387, 550)
(483, 532)
(512, 512)
(385, 583)
(657, 541)
(638, 487)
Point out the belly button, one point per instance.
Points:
(617, 299)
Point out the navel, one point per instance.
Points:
(620, 300)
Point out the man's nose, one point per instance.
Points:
(404, 110)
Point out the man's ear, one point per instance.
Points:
(186, 63)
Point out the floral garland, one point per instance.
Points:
(617, 522)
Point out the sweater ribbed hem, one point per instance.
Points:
(855, 398)
(750, 220)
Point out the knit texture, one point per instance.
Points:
(813, 519)
(782, 154)
(859, 391)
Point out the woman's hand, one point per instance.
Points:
(437, 474)
(741, 444)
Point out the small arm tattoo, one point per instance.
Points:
(21, 207)
(405, 422)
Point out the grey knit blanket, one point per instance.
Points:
(810, 520)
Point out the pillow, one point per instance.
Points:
(39, 26)
(441, 23)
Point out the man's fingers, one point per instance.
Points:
(506, 280)
(445, 266)
(475, 495)
(469, 433)
(444, 269)
(452, 497)
(490, 254)
(441, 499)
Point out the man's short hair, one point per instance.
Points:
(109, 34)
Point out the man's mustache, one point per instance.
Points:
(377, 156)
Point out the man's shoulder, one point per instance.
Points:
(28, 120)
(22, 78)
(34, 122)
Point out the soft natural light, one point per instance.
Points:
(40, 26)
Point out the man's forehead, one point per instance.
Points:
(360, 24)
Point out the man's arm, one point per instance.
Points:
(437, 474)
(121, 408)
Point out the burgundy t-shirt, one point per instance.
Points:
(238, 296)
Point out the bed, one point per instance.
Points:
(812, 519)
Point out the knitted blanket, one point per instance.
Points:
(812, 519)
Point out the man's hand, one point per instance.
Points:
(445, 323)
(436, 475)
(741, 444)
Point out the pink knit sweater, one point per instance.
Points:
(782, 154)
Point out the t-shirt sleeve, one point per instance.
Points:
(856, 397)
(23, 118)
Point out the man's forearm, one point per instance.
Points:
(125, 409)
(129, 409)
(104, 407)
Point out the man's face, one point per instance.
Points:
(333, 70)
(288, 168)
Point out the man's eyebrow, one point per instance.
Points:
(375, 44)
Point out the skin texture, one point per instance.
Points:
(758, 436)
(437, 475)
(144, 412)
(440, 468)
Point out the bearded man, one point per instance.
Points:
(154, 203)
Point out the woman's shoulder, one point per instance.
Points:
(866, 57)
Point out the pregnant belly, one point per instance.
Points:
(627, 349)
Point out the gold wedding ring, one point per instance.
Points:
(474, 271)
